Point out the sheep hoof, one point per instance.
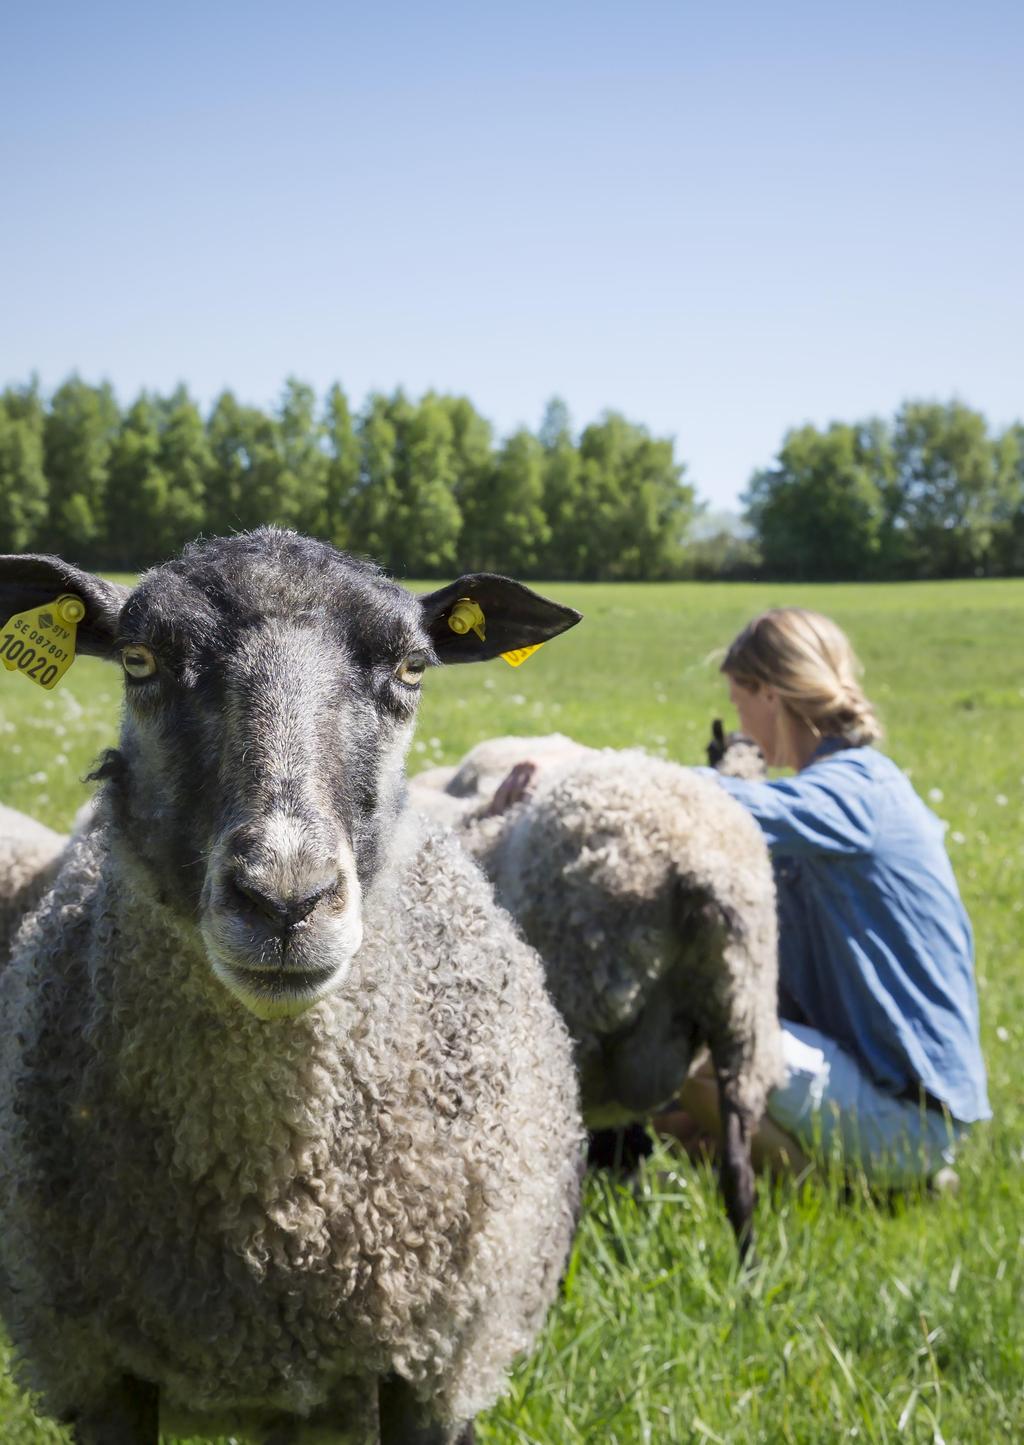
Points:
(405, 1421)
(619, 1150)
(129, 1416)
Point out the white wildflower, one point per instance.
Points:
(1001, 800)
(957, 837)
(1003, 1035)
(935, 795)
(37, 778)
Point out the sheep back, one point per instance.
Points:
(29, 856)
(649, 894)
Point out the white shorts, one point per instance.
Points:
(832, 1109)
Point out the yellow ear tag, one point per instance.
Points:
(467, 616)
(518, 655)
(41, 642)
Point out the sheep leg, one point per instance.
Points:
(405, 1421)
(130, 1415)
(736, 1176)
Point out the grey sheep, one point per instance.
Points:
(289, 1132)
(29, 857)
(648, 892)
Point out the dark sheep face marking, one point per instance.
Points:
(262, 758)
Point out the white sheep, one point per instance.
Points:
(648, 892)
(289, 1133)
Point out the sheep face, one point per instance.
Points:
(269, 703)
(271, 685)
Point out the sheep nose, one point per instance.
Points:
(281, 913)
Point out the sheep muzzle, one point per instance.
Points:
(281, 916)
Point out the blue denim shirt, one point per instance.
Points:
(875, 946)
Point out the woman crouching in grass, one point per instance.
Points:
(877, 998)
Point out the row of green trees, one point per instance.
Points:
(420, 486)
(933, 493)
(425, 488)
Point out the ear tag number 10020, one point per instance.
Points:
(41, 642)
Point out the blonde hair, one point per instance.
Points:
(809, 662)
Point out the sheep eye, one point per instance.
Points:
(410, 670)
(138, 661)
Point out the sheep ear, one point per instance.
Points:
(513, 616)
(33, 580)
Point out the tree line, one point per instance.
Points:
(425, 488)
(932, 493)
(422, 487)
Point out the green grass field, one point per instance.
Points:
(867, 1321)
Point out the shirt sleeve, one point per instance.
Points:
(807, 814)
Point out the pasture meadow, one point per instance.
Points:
(868, 1320)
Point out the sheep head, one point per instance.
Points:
(271, 686)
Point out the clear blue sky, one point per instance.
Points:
(721, 219)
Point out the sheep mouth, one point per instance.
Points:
(276, 977)
(277, 992)
(283, 979)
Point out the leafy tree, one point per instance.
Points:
(186, 462)
(342, 475)
(77, 435)
(472, 455)
(301, 483)
(404, 512)
(23, 486)
(426, 535)
(819, 511)
(155, 497)
(510, 532)
(949, 489)
(1008, 540)
(635, 507)
(375, 504)
(567, 552)
(135, 499)
(246, 487)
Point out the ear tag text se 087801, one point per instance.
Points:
(41, 642)
(468, 616)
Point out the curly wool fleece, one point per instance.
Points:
(649, 894)
(29, 857)
(262, 1216)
